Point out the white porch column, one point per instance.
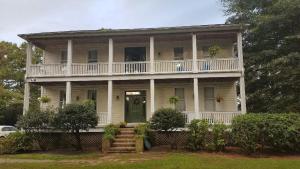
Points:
(109, 101)
(241, 67)
(110, 55)
(26, 97)
(196, 98)
(68, 93)
(194, 42)
(69, 57)
(243, 95)
(152, 97)
(152, 54)
(28, 58)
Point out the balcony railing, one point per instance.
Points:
(102, 118)
(125, 68)
(212, 117)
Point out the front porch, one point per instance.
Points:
(135, 101)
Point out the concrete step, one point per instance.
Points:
(126, 132)
(131, 136)
(124, 140)
(127, 129)
(123, 144)
(122, 149)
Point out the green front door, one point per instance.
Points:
(135, 106)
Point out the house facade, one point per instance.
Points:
(130, 73)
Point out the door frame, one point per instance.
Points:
(145, 111)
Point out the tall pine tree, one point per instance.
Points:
(271, 52)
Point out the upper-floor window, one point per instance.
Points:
(63, 57)
(209, 99)
(92, 56)
(178, 53)
(179, 92)
(205, 51)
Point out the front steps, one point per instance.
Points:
(124, 141)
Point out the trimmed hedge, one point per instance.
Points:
(276, 132)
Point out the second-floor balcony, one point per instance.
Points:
(141, 67)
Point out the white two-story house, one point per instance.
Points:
(130, 73)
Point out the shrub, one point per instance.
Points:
(218, 135)
(110, 131)
(279, 132)
(33, 122)
(141, 130)
(167, 120)
(75, 117)
(198, 131)
(16, 142)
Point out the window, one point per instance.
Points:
(63, 57)
(93, 56)
(178, 53)
(205, 51)
(92, 95)
(179, 92)
(209, 99)
(62, 98)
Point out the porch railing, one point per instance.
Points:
(48, 70)
(130, 67)
(124, 68)
(212, 117)
(89, 69)
(222, 64)
(173, 66)
(102, 118)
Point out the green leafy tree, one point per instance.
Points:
(271, 52)
(76, 117)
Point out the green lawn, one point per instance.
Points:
(152, 160)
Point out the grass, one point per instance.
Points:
(149, 160)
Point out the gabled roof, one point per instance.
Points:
(135, 31)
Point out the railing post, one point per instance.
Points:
(241, 67)
(194, 45)
(26, 97)
(196, 98)
(110, 55)
(28, 59)
(68, 92)
(109, 101)
(152, 96)
(69, 58)
(151, 54)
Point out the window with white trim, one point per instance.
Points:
(209, 99)
(92, 95)
(179, 92)
(62, 98)
(92, 56)
(63, 57)
(178, 53)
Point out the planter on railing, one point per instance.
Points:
(89, 69)
(173, 66)
(131, 67)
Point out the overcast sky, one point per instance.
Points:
(31, 16)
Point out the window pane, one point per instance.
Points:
(178, 53)
(63, 57)
(209, 96)
(62, 98)
(93, 56)
(92, 95)
(179, 92)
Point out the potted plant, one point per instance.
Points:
(110, 131)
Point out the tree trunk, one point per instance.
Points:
(78, 140)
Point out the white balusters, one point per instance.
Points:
(212, 117)
(218, 64)
(102, 118)
(173, 66)
(89, 69)
(131, 67)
